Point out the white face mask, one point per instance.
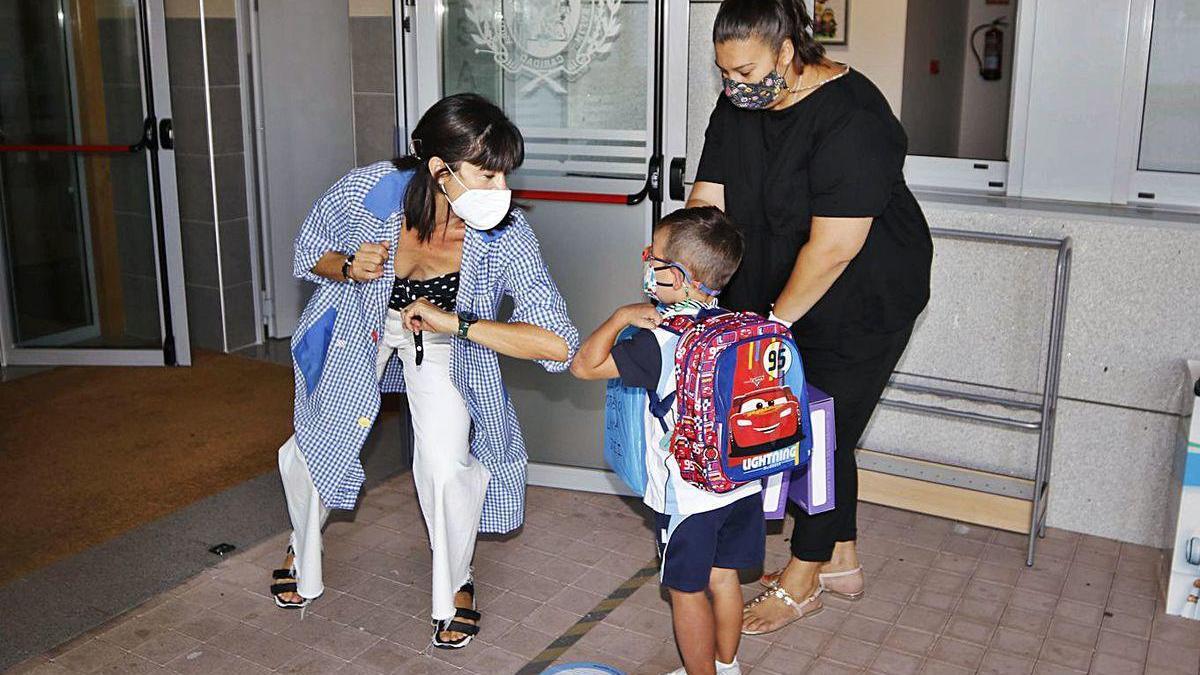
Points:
(650, 283)
(480, 209)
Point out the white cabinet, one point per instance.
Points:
(1183, 590)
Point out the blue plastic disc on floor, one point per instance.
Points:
(582, 668)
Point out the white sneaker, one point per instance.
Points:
(722, 669)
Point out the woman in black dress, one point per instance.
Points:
(807, 157)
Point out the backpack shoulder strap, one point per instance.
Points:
(678, 324)
(710, 312)
(661, 407)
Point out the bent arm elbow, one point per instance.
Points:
(554, 353)
(843, 256)
(586, 373)
(561, 345)
(579, 370)
(833, 254)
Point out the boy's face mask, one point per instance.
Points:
(650, 282)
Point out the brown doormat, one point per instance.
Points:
(88, 453)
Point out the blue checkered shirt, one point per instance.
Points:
(333, 420)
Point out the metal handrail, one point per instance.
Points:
(961, 414)
(966, 396)
(1000, 238)
(1048, 406)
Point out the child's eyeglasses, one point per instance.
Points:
(647, 256)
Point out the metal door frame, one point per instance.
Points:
(164, 215)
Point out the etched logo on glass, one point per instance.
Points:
(545, 39)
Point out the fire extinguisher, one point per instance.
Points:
(991, 63)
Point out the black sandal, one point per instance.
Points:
(287, 587)
(452, 625)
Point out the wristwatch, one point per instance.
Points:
(465, 321)
(346, 267)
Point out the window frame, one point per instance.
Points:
(978, 176)
(1132, 185)
(988, 176)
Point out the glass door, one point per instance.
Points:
(598, 88)
(88, 208)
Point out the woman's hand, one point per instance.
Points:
(368, 261)
(422, 315)
(640, 315)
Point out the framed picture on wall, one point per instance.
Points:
(831, 21)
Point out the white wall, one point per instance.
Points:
(1130, 323)
(876, 45)
(983, 130)
(932, 103)
(308, 129)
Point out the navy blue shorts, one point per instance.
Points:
(733, 536)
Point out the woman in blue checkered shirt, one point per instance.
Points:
(412, 259)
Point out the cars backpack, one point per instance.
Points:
(740, 399)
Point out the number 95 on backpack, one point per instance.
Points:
(761, 408)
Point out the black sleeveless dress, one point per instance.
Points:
(441, 292)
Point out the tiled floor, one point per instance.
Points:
(942, 598)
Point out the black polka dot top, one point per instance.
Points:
(441, 291)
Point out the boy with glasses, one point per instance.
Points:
(703, 537)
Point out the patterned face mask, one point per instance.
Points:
(650, 283)
(754, 96)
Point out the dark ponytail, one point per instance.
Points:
(772, 21)
(459, 128)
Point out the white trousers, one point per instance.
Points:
(450, 482)
(308, 517)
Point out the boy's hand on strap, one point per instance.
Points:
(640, 315)
(594, 359)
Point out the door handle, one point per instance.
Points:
(166, 134)
(149, 140)
(653, 187)
(677, 171)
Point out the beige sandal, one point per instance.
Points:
(849, 584)
(810, 606)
